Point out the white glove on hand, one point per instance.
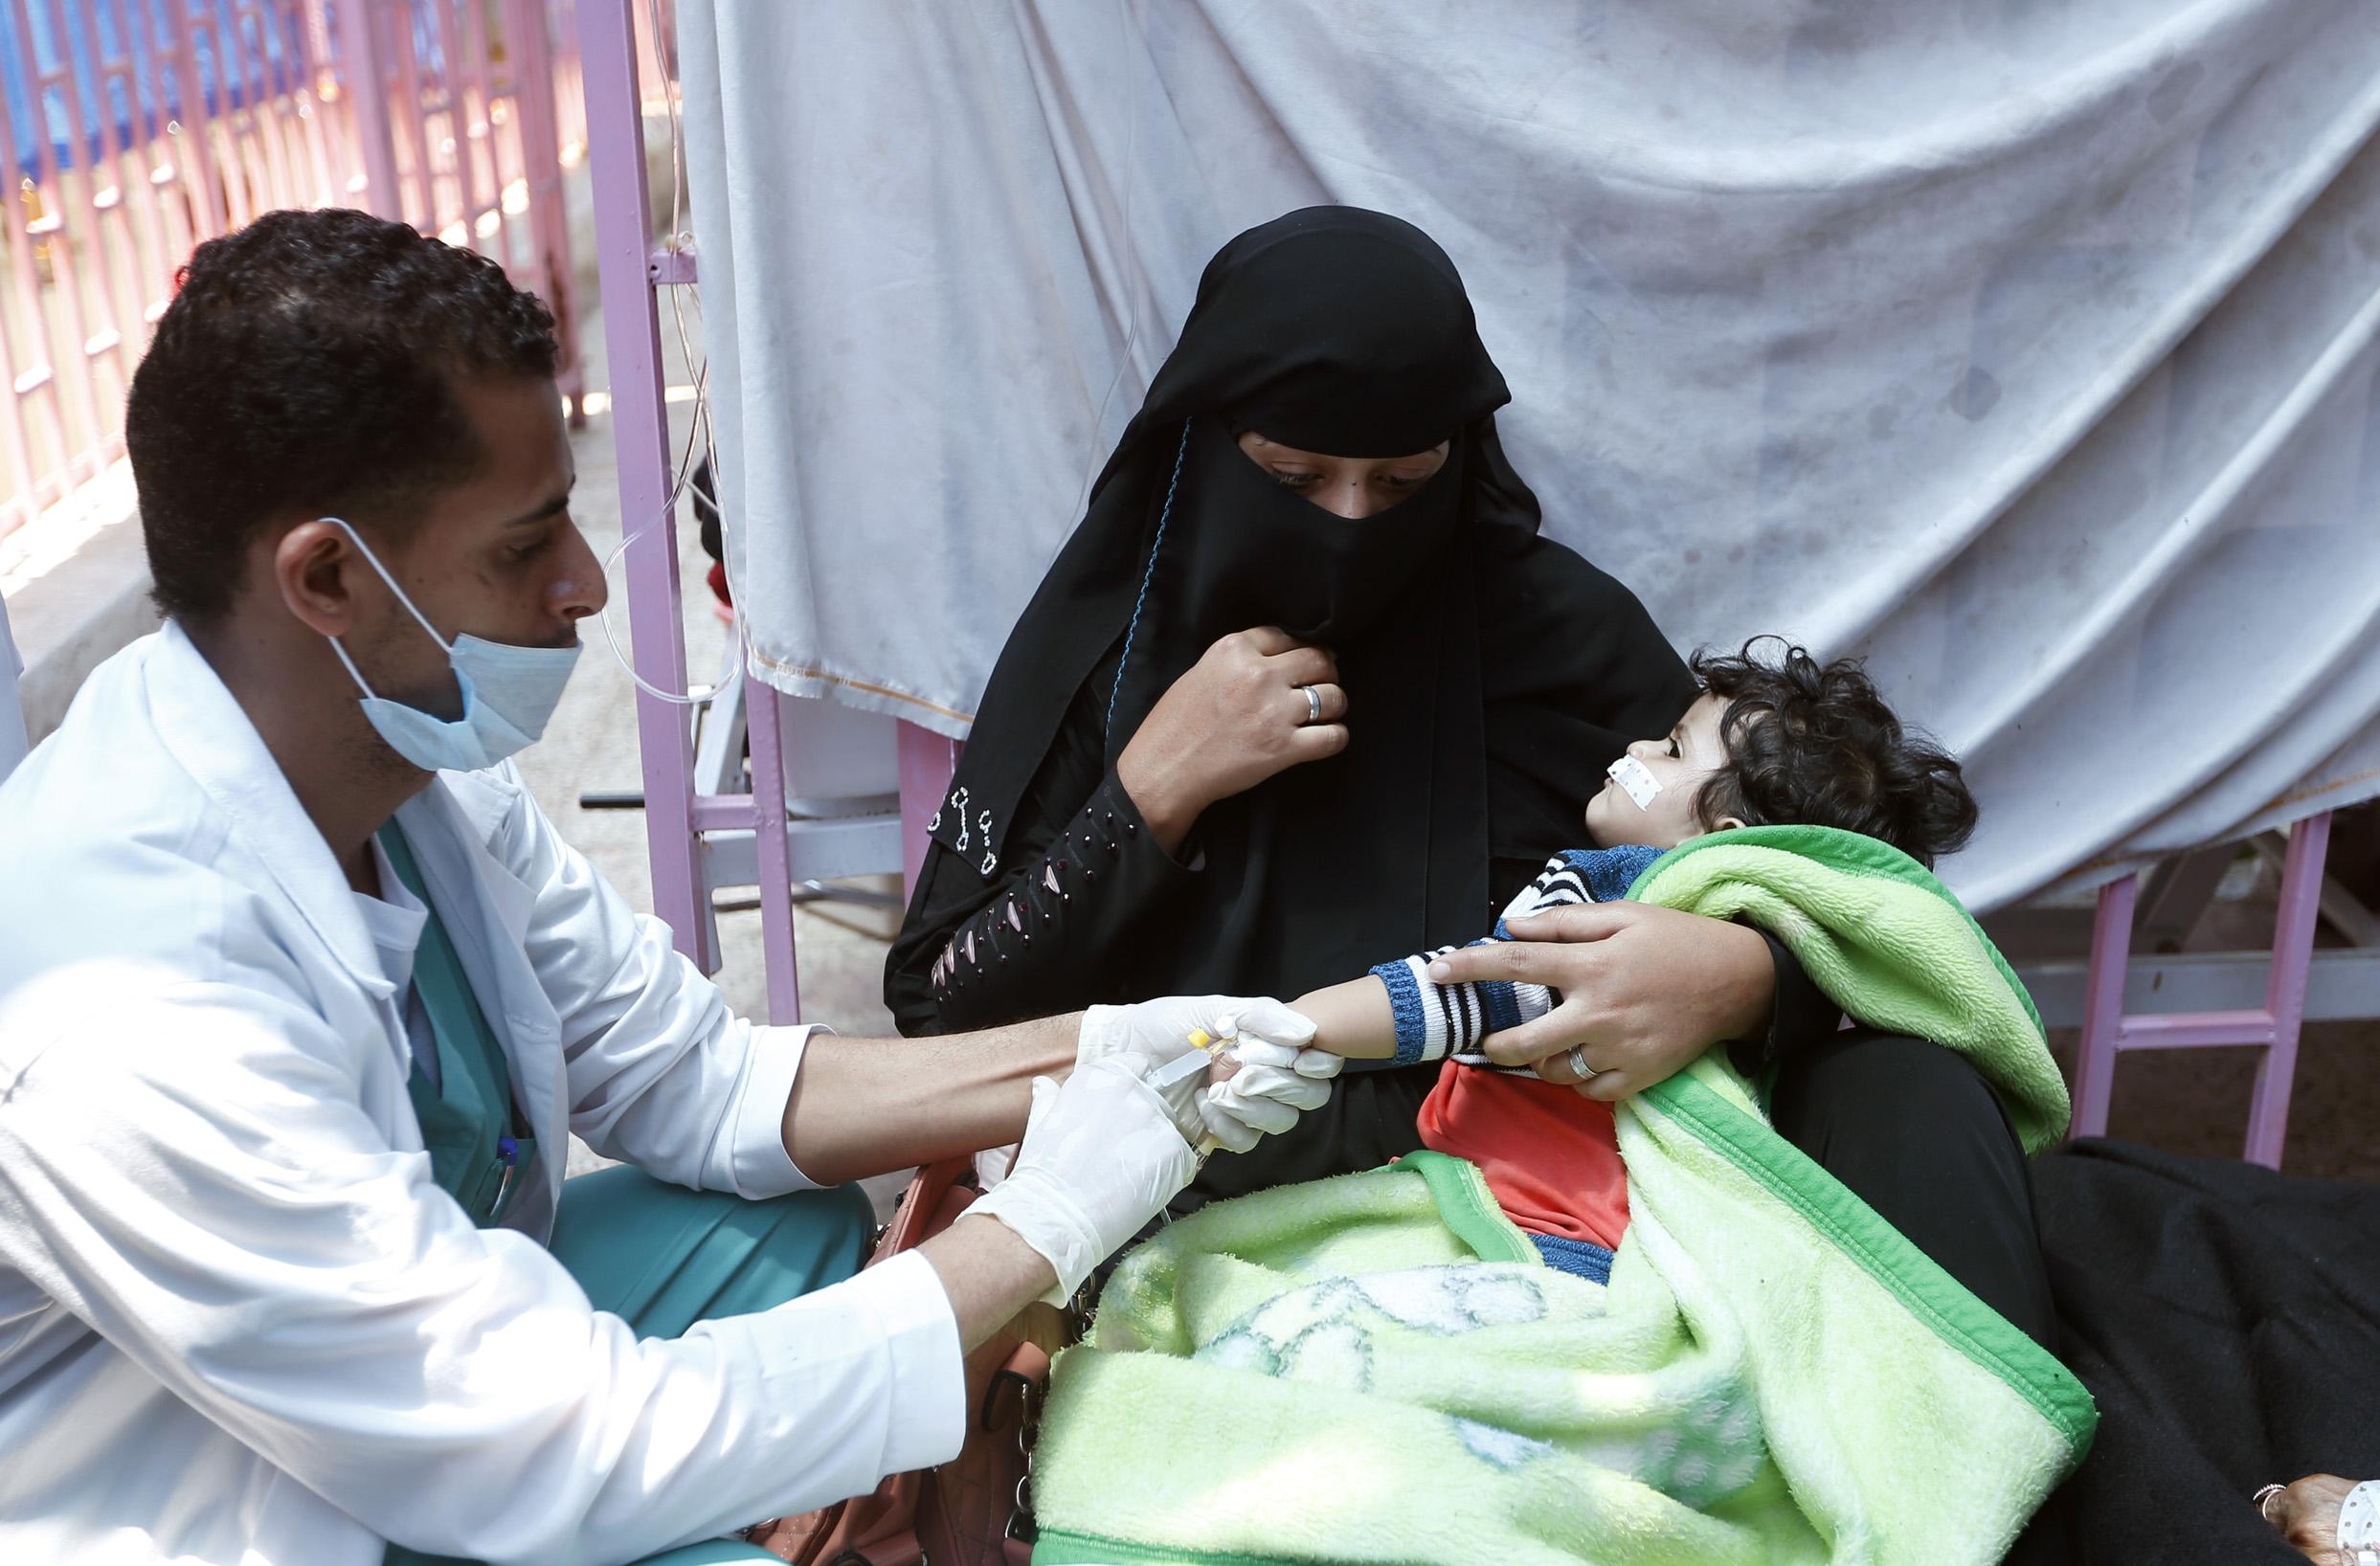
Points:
(1274, 1086)
(1159, 1032)
(1101, 1157)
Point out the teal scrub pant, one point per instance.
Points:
(664, 1258)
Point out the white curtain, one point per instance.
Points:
(2026, 348)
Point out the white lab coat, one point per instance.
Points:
(239, 1322)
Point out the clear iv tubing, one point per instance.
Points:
(660, 522)
(698, 430)
(604, 618)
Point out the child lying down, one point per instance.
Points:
(1654, 1331)
(1773, 740)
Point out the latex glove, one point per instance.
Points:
(1273, 1086)
(1157, 1033)
(1101, 1157)
(1161, 1030)
(993, 1164)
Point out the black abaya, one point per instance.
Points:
(1494, 673)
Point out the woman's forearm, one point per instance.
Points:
(1170, 809)
(1644, 989)
(1053, 935)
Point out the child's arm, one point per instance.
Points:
(1354, 1018)
(1396, 1012)
(1399, 1013)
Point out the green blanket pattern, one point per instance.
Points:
(1379, 1368)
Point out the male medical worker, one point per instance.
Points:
(301, 997)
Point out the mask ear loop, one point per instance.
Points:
(1141, 598)
(382, 572)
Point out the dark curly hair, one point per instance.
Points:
(1811, 746)
(308, 366)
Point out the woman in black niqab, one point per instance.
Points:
(1491, 675)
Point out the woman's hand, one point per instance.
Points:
(2307, 1514)
(1645, 990)
(1235, 717)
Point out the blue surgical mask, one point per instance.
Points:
(509, 694)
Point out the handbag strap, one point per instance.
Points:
(919, 1204)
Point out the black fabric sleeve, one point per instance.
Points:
(1802, 1014)
(1085, 882)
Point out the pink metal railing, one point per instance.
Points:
(133, 130)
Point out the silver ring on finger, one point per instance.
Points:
(1313, 705)
(1576, 1057)
(2263, 1499)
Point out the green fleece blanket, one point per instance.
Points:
(1379, 1368)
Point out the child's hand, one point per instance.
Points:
(1268, 1085)
(1169, 1040)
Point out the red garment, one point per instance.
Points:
(1551, 1156)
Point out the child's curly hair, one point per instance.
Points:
(1816, 746)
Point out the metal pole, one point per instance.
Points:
(631, 335)
(367, 85)
(2102, 1006)
(927, 761)
(2284, 995)
(765, 715)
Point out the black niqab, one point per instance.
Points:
(1485, 666)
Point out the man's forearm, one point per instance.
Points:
(863, 1106)
(988, 1272)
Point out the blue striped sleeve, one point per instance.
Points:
(1501, 1005)
(1404, 1002)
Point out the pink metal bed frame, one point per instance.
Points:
(2108, 1030)
(677, 815)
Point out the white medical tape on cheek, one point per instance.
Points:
(1634, 776)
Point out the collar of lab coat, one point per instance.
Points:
(450, 824)
(204, 726)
